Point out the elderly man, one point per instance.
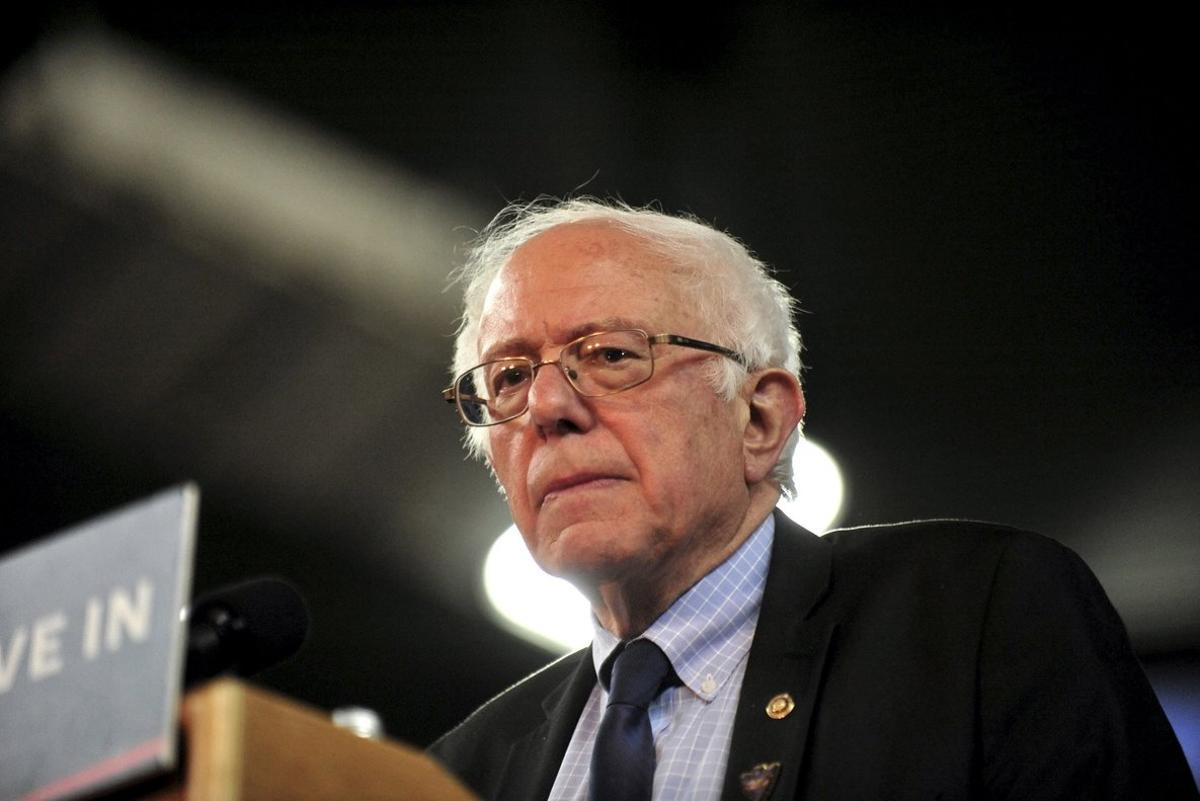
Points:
(631, 379)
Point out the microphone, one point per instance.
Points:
(244, 628)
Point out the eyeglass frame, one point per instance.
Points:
(450, 393)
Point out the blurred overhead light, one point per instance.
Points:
(297, 204)
(819, 488)
(533, 604)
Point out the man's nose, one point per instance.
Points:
(554, 405)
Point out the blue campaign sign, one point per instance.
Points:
(91, 650)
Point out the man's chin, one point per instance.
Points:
(585, 554)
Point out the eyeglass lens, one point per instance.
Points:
(596, 365)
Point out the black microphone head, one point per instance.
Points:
(244, 628)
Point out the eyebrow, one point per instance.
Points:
(524, 347)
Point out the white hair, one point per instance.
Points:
(748, 309)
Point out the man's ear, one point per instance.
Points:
(776, 404)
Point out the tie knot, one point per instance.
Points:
(638, 672)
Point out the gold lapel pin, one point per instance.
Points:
(780, 706)
(758, 781)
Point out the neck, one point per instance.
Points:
(627, 605)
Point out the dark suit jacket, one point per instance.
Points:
(931, 660)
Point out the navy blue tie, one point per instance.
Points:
(623, 757)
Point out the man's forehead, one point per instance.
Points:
(574, 280)
(586, 237)
(499, 342)
(577, 251)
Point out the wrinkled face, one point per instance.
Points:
(643, 482)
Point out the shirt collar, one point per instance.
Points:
(707, 631)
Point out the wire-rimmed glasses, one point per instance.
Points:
(595, 365)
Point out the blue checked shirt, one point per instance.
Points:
(706, 634)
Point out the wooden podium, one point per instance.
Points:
(245, 744)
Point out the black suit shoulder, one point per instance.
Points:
(935, 562)
(477, 750)
(942, 541)
(1001, 646)
(1002, 583)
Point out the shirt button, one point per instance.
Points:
(709, 685)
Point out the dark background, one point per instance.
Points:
(988, 216)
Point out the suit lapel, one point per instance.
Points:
(534, 760)
(784, 671)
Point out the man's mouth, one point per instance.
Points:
(575, 483)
